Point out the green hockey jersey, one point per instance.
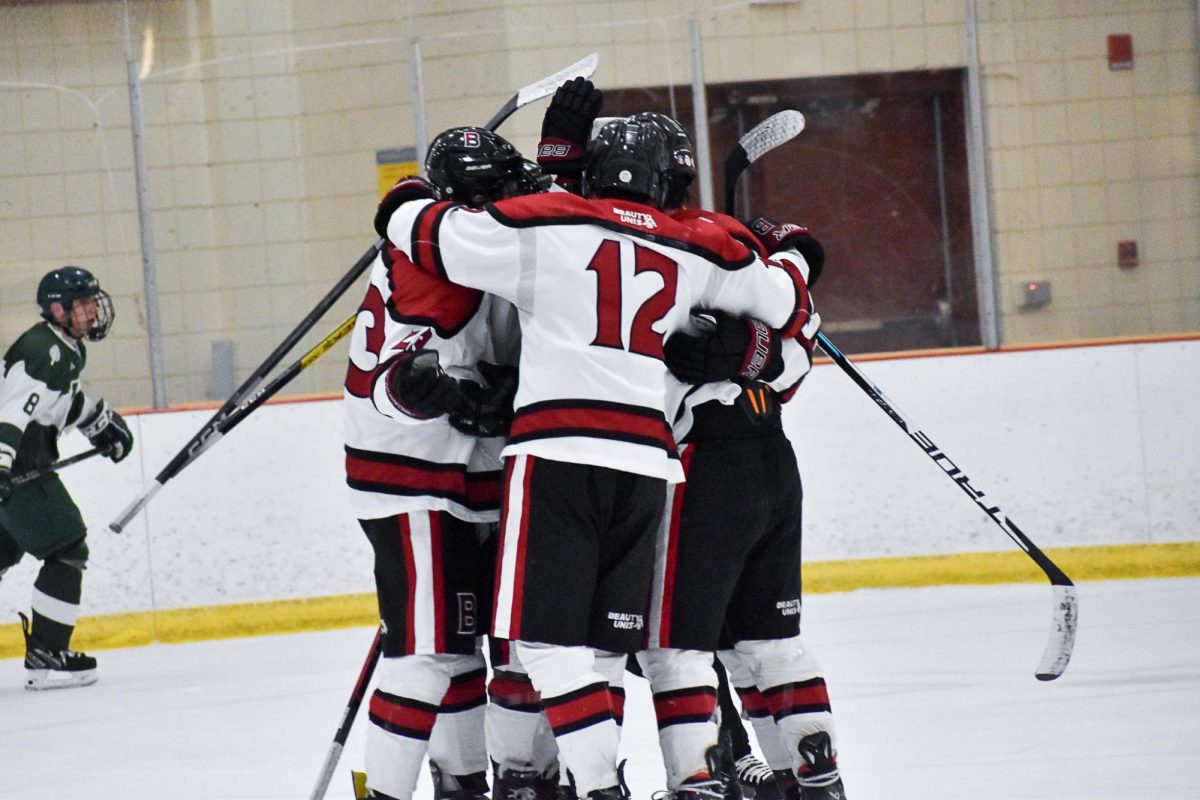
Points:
(40, 396)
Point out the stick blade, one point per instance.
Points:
(1062, 634)
(770, 133)
(583, 68)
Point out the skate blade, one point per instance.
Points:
(41, 679)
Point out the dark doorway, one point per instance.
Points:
(879, 175)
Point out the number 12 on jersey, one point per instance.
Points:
(643, 339)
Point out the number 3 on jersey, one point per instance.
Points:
(643, 339)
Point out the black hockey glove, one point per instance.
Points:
(729, 348)
(107, 430)
(405, 189)
(776, 236)
(418, 386)
(487, 410)
(6, 484)
(567, 126)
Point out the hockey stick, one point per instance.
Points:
(765, 136)
(583, 68)
(34, 474)
(1066, 603)
(348, 715)
(200, 441)
(225, 423)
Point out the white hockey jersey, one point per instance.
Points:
(396, 463)
(598, 284)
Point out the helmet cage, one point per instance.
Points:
(68, 284)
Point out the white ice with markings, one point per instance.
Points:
(933, 691)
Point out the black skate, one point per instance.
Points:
(54, 669)
(618, 792)
(516, 784)
(819, 778)
(756, 779)
(718, 784)
(458, 787)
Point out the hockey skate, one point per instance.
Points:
(54, 669)
(458, 787)
(819, 778)
(756, 779)
(618, 792)
(515, 784)
(716, 784)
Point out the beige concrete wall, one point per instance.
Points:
(263, 118)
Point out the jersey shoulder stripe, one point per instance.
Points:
(699, 218)
(632, 219)
(47, 359)
(389, 473)
(424, 248)
(597, 419)
(420, 298)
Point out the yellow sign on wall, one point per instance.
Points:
(393, 164)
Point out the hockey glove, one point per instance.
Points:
(107, 430)
(6, 484)
(776, 236)
(418, 386)
(566, 127)
(487, 410)
(411, 188)
(730, 348)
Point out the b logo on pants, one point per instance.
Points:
(467, 622)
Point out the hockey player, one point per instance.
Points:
(40, 397)
(598, 283)
(422, 463)
(742, 499)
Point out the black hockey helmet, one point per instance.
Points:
(682, 170)
(629, 160)
(474, 166)
(67, 284)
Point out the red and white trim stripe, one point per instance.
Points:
(421, 533)
(510, 562)
(666, 554)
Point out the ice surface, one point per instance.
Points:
(933, 692)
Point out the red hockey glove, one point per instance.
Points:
(733, 348)
(776, 236)
(419, 387)
(487, 410)
(411, 188)
(567, 125)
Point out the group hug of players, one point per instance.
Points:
(545, 352)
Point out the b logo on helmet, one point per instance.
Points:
(470, 139)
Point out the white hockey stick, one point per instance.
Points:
(766, 136)
(583, 68)
(762, 138)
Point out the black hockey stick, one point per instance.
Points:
(583, 68)
(224, 424)
(348, 715)
(1066, 602)
(34, 474)
(765, 136)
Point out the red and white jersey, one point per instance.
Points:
(797, 350)
(598, 284)
(397, 464)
